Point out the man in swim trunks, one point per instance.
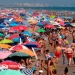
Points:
(58, 52)
(69, 53)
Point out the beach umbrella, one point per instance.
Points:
(73, 24)
(59, 19)
(5, 46)
(49, 26)
(18, 28)
(10, 72)
(52, 16)
(2, 26)
(18, 54)
(2, 35)
(6, 41)
(31, 40)
(67, 23)
(14, 36)
(4, 54)
(18, 47)
(41, 30)
(62, 23)
(27, 33)
(29, 52)
(13, 24)
(11, 65)
(32, 44)
(40, 24)
(16, 40)
(26, 23)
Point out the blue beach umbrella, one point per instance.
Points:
(31, 45)
(13, 24)
(40, 24)
(2, 26)
(67, 23)
(16, 40)
(27, 33)
(31, 40)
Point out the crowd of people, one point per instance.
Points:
(53, 43)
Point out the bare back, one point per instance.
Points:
(69, 50)
(58, 49)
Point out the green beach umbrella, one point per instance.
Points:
(10, 72)
(2, 35)
(41, 30)
(19, 54)
(6, 41)
(52, 16)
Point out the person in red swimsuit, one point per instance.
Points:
(58, 52)
(69, 53)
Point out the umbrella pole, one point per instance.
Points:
(20, 41)
(34, 53)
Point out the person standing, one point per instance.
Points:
(58, 52)
(69, 53)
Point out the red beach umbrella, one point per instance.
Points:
(11, 65)
(18, 28)
(13, 36)
(50, 26)
(18, 47)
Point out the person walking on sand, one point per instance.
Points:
(69, 53)
(58, 52)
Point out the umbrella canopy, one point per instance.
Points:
(19, 54)
(6, 41)
(4, 54)
(19, 47)
(40, 24)
(29, 52)
(2, 35)
(31, 40)
(16, 40)
(14, 36)
(27, 33)
(73, 24)
(10, 72)
(59, 20)
(13, 24)
(41, 30)
(31, 44)
(50, 26)
(11, 65)
(52, 16)
(18, 28)
(5, 46)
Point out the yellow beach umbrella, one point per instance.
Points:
(6, 41)
(29, 52)
(5, 46)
